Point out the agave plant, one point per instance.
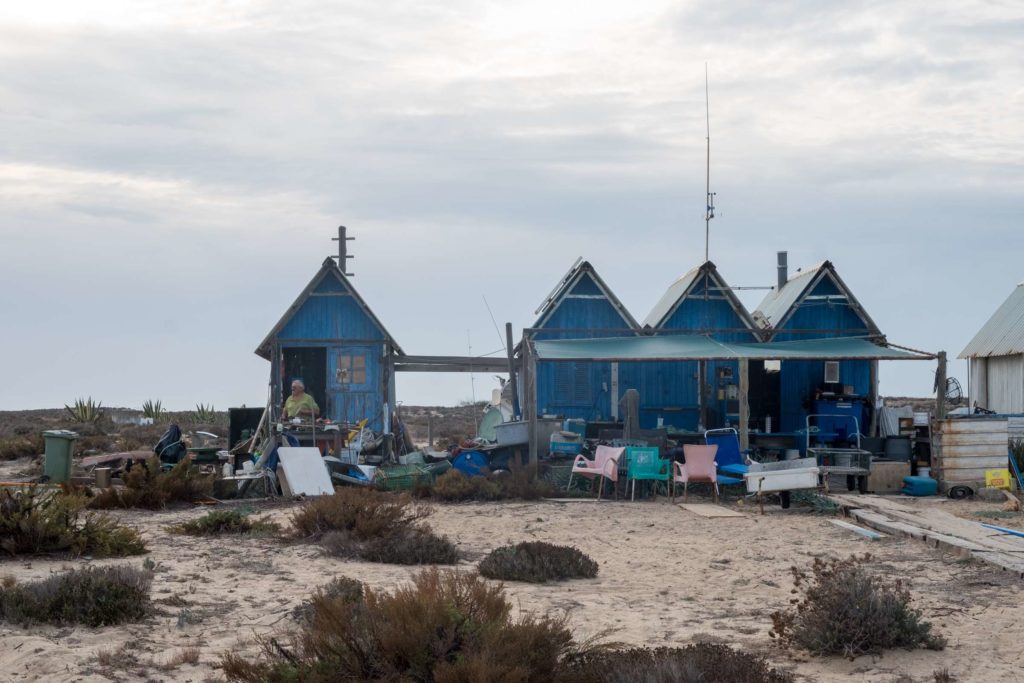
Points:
(153, 409)
(85, 410)
(204, 414)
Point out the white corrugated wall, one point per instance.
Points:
(1005, 384)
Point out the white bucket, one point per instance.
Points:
(924, 472)
(792, 453)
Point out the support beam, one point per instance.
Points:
(530, 409)
(516, 410)
(940, 387)
(450, 364)
(873, 398)
(744, 404)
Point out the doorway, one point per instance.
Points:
(308, 364)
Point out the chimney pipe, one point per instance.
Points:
(783, 270)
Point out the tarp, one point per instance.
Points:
(693, 347)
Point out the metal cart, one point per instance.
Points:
(855, 462)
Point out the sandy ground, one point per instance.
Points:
(666, 577)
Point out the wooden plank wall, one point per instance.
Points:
(965, 448)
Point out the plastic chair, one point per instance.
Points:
(605, 465)
(643, 464)
(733, 462)
(700, 466)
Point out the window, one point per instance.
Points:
(351, 368)
(572, 384)
(832, 372)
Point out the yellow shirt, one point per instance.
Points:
(305, 403)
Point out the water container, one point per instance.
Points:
(575, 425)
(920, 486)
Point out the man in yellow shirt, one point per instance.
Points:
(300, 404)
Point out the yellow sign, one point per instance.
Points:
(997, 479)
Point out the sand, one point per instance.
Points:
(667, 577)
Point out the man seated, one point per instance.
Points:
(300, 404)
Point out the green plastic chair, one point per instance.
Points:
(643, 464)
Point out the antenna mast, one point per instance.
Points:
(710, 210)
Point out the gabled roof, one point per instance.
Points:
(681, 288)
(329, 269)
(562, 291)
(1003, 334)
(779, 305)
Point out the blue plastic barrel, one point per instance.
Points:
(920, 486)
(471, 463)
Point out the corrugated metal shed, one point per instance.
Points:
(1003, 334)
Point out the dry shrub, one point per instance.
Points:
(34, 522)
(218, 522)
(520, 482)
(846, 611)
(696, 663)
(93, 596)
(22, 446)
(340, 588)
(147, 486)
(362, 513)
(374, 526)
(445, 626)
(537, 562)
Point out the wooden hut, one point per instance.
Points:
(331, 340)
(698, 303)
(815, 303)
(581, 306)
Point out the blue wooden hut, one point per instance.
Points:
(581, 306)
(815, 303)
(698, 303)
(331, 340)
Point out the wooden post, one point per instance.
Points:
(530, 363)
(744, 404)
(940, 387)
(516, 410)
(873, 399)
(702, 401)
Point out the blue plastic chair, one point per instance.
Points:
(732, 462)
(644, 464)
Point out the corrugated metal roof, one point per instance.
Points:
(672, 295)
(693, 347)
(575, 274)
(1003, 334)
(778, 302)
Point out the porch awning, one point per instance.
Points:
(693, 347)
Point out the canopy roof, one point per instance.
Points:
(691, 347)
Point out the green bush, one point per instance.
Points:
(34, 522)
(696, 663)
(445, 626)
(340, 588)
(93, 596)
(417, 545)
(147, 487)
(153, 409)
(537, 562)
(218, 522)
(846, 611)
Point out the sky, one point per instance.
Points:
(171, 173)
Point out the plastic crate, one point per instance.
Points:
(401, 477)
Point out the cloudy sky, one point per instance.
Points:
(171, 173)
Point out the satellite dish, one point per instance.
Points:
(954, 392)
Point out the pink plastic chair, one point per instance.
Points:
(605, 465)
(700, 466)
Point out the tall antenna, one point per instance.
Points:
(710, 212)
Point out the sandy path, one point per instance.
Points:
(667, 576)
